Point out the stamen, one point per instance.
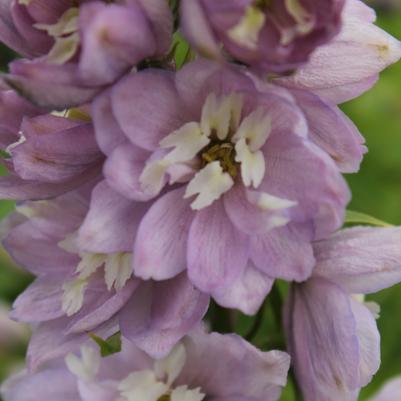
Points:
(262, 5)
(165, 397)
(224, 153)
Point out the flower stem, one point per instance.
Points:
(220, 318)
(297, 391)
(257, 323)
(277, 306)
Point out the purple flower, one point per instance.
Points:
(13, 109)
(78, 289)
(364, 50)
(48, 154)
(332, 333)
(332, 130)
(239, 190)
(82, 45)
(268, 35)
(202, 366)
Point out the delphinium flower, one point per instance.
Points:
(331, 330)
(321, 82)
(202, 366)
(271, 35)
(45, 154)
(238, 189)
(156, 189)
(364, 50)
(75, 48)
(87, 286)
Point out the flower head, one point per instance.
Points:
(46, 154)
(83, 46)
(269, 35)
(195, 369)
(230, 173)
(332, 333)
(86, 284)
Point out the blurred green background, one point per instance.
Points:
(376, 191)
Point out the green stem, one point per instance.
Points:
(175, 8)
(220, 319)
(297, 391)
(277, 306)
(257, 323)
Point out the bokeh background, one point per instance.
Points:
(376, 191)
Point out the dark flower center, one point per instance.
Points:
(165, 397)
(223, 152)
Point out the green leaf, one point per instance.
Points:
(352, 217)
(107, 347)
(182, 51)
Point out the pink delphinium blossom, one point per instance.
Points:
(81, 46)
(274, 35)
(331, 330)
(202, 366)
(46, 154)
(350, 64)
(239, 190)
(78, 290)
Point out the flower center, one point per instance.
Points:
(221, 147)
(155, 384)
(224, 153)
(262, 4)
(246, 31)
(165, 397)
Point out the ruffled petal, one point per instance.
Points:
(323, 341)
(41, 301)
(114, 38)
(160, 314)
(157, 111)
(161, 244)
(369, 342)
(123, 170)
(298, 170)
(217, 251)
(112, 222)
(364, 50)
(284, 252)
(351, 258)
(107, 131)
(333, 131)
(247, 293)
(253, 374)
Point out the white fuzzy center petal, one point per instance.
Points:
(142, 386)
(86, 366)
(209, 184)
(118, 270)
(246, 32)
(182, 393)
(252, 164)
(220, 115)
(65, 34)
(158, 384)
(171, 366)
(187, 141)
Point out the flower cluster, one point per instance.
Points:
(170, 154)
